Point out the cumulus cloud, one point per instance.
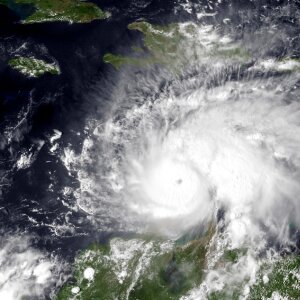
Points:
(25, 272)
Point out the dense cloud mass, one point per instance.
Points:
(233, 147)
(175, 155)
(26, 272)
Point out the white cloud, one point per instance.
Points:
(24, 270)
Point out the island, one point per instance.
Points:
(72, 11)
(174, 45)
(160, 42)
(32, 67)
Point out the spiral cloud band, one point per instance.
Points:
(221, 137)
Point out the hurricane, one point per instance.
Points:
(177, 175)
(215, 142)
(218, 138)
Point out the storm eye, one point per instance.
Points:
(179, 181)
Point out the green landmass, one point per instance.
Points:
(33, 67)
(73, 11)
(118, 60)
(168, 45)
(233, 255)
(283, 277)
(161, 43)
(138, 269)
(146, 268)
(279, 278)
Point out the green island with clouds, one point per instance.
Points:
(72, 11)
(32, 67)
(167, 45)
(176, 45)
(138, 268)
